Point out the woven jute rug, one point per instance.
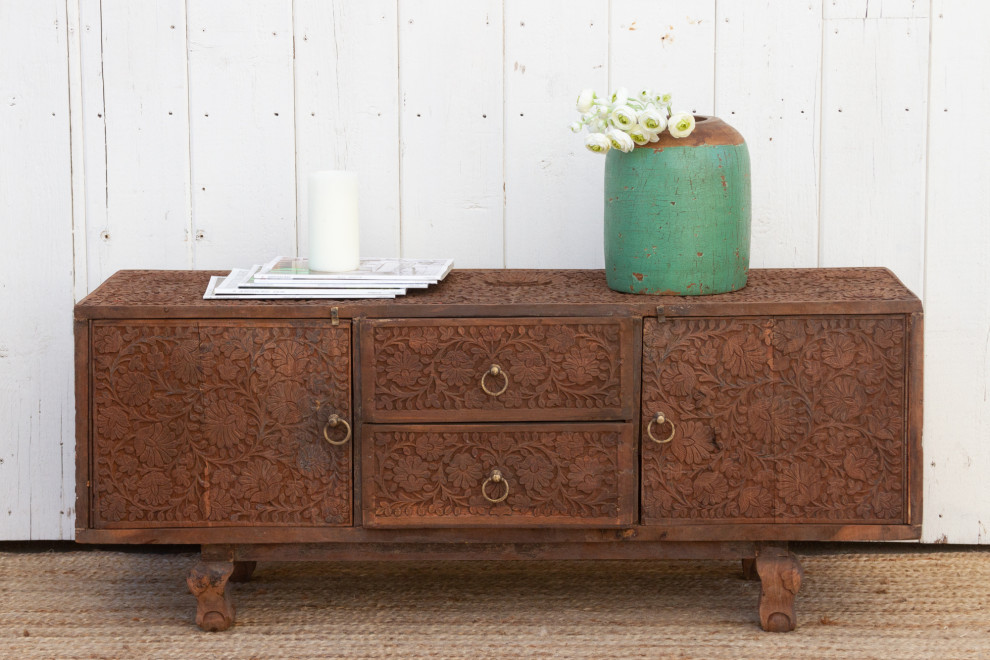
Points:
(857, 601)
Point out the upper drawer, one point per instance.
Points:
(498, 369)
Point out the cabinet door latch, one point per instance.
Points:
(661, 317)
(334, 316)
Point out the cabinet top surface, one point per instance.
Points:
(175, 293)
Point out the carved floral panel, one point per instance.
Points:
(435, 475)
(711, 378)
(220, 423)
(841, 443)
(418, 367)
(786, 419)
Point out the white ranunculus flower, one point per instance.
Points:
(621, 141)
(623, 117)
(598, 126)
(639, 134)
(652, 119)
(681, 124)
(585, 100)
(598, 142)
(620, 96)
(576, 126)
(654, 137)
(645, 96)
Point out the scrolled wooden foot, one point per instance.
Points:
(207, 582)
(243, 570)
(780, 579)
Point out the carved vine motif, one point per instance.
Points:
(842, 383)
(439, 367)
(439, 475)
(499, 287)
(218, 423)
(712, 379)
(791, 419)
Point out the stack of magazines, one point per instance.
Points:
(290, 277)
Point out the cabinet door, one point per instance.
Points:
(841, 418)
(712, 381)
(220, 423)
(788, 420)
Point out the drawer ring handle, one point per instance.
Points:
(496, 478)
(495, 371)
(660, 419)
(334, 421)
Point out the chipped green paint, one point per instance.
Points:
(677, 215)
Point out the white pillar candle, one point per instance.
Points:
(333, 221)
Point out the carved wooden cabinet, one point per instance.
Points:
(500, 414)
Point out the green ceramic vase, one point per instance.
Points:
(678, 213)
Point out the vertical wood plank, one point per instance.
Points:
(80, 280)
(874, 108)
(36, 406)
(957, 308)
(92, 138)
(347, 110)
(553, 185)
(771, 95)
(145, 187)
(241, 111)
(450, 85)
(667, 46)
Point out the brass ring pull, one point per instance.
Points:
(334, 421)
(660, 419)
(495, 371)
(496, 478)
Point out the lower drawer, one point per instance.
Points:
(474, 475)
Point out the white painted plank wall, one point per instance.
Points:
(768, 86)
(452, 156)
(347, 110)
(241, 137)
(144, 135)
(455, 114)
(36, 397)
(957, 324)
(874, 115)
(553, 200)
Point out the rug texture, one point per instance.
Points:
(856, 602)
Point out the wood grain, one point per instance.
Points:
(957, 355)
(36, 281)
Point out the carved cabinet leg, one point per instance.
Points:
(243, 570)
(207, 581)
(780, 578)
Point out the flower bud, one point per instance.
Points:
(620, 96)
(576, 126)
(585, 100)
